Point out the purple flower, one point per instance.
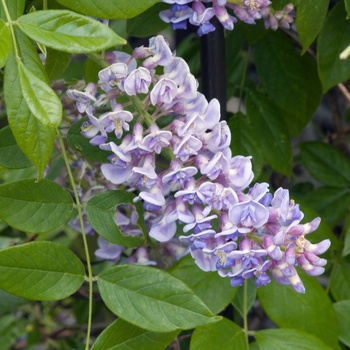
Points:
(186, 147)
(158, 50)
(177, 177)
(107, 250)
(163, 92)
(83, 98)
(118, 121)
(239, 173)
(249, 214)
(113, 76)
(138, 81)
(201, 17)
(157, 139)
(177, 16)
(165, 229)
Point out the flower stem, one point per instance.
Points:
(89, 278)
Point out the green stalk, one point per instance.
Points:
(245, 311)
(9, 21)
(89, 278)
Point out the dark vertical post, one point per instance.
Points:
(213, 68)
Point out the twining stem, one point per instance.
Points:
(90, 278)
(245, 310)
(10, 23)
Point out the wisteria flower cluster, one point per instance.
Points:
(194, 11)
(168, 145)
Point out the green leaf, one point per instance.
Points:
(101, 212)
(9, 302)
(40, 271)
(56, 63)
(244, 141)
(40, 98)
(215, 291)
(110, 9)
(340, 281)
(147, 23)
(342, 308)
(332, 203)
(11, 155)
(8, 331)
(15, 7)
(243, 301)
(67, 31)
(220, 335)
(310, 17)
(5, 43)
(121, 335)
(333, 39)
(34, 139)
(311, 312)
(266, 118)
(326, 163)
(152, 299)
(288, 339)
(91, 70)
(290, 80)
(80, 143)
(347, 7)
(35, 207)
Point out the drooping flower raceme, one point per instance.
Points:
(248, 11)
(174, 153)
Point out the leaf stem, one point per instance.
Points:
(90, 278)
(10, 22)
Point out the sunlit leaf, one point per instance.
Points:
(5, 43)
(40, 98)
(67, 31)
(15, 8)
(35, 139)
